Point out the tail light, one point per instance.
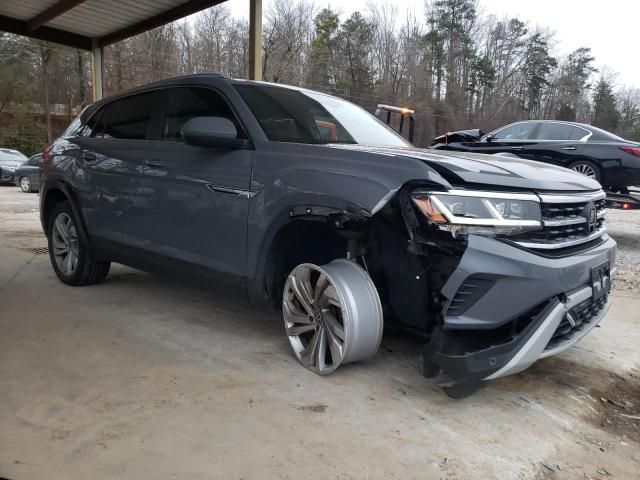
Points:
(635, 151)
(45, 155)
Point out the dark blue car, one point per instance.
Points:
(27, 175)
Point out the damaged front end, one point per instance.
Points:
(493, 281)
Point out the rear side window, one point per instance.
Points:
(185, 103)
(127, 118)
(560, 131)
(93, 128)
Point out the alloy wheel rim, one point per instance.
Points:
(24, 183)
(332, 315)
(313, 314)
(584, 169)
(64, 240)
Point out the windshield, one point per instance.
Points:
(301, 116)
(7, 155)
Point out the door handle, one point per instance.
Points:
(517, 148)
(89, 157)
(568, 148)
(154, 164)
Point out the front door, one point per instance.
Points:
(200, 194)
(511, 139)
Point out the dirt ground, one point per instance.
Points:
(142, 378)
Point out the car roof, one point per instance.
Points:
(181, 79)
(598, 134)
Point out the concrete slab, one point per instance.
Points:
(142, 378)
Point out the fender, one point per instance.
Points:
(55, 181)
(315, 183)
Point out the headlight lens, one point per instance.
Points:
(485, 213)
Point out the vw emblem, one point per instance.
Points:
(592, 217)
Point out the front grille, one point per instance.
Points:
(578, 318)
(566, 222)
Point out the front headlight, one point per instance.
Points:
(484, 213)
(10, 169)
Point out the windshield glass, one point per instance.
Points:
(7, 155)
(301, 116)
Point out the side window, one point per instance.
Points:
(518, 131)
(93, 128)
(127, 118)
(555, 131)
(34, 161)
(185, 103)
(578, 133)
(73, 128)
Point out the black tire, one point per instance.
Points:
(586, 165)
(426, 365)
(25, 184)
(463, 390)
(88, 270)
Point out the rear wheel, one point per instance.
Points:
(25, 184)
(332, 315)
(587, 168)
(70, 255)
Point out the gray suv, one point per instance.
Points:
(306, 202)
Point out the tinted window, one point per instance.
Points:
(517, 131)
(128, 118)
(302, 116)
(560, 131)
(34, 161)
(578, 133)
(186, 103)
(93, 128)
(73, 127)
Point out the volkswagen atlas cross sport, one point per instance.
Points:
(308, 203)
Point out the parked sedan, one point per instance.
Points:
(591, 151)
(9, 160)
(27, 175)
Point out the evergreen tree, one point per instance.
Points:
(605, 111)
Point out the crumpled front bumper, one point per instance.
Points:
(517, 285)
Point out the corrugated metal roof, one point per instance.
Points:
(97, 18)
(76, 22)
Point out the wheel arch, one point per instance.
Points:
(54, 191)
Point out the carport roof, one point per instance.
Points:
(86, 24)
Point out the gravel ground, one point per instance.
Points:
(624, 227)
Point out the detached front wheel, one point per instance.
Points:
(332, 315)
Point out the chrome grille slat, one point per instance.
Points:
(565, 222)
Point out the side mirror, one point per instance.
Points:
(212, 132)
(489, 138)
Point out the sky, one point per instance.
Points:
(610, 28)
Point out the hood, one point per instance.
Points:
(459, 136)
(461, 168)
(9, 163)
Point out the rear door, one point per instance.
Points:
(114, 146)
(200, 194)
(33, 169)
(557, 143)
